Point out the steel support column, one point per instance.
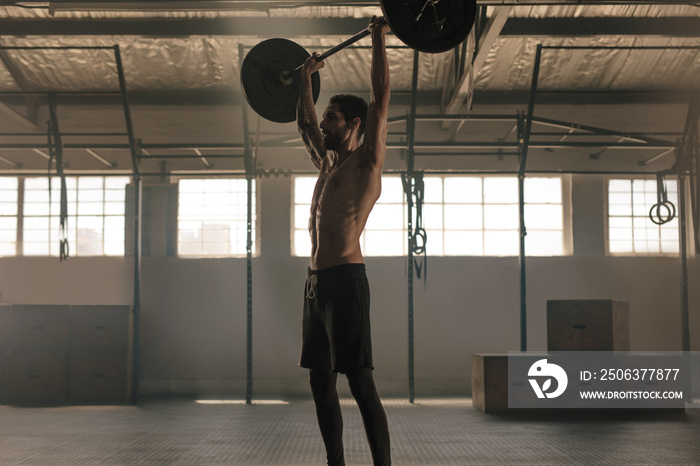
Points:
(249, 172)
(687, 151)
(409, 188)
(138, 217)
(524, 141)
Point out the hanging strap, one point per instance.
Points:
(663, 211)
(415, 188)
(56, 151)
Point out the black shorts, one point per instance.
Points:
(335, 326)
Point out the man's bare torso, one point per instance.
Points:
(342, 201)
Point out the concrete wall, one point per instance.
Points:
(194, 310)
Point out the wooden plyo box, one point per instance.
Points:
(490, 382)
(588, 325)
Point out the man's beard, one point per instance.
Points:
(331, 141)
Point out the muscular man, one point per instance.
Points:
(335, 328)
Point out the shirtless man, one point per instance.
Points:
(335, 328)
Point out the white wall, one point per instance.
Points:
(194, 310)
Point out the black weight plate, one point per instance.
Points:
(442, 26)
(261, 71)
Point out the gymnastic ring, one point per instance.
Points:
(655, 213)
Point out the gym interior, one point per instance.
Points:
(540, 192)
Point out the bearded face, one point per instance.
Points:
(334, 128)
(332, 141)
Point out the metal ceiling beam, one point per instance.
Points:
(302, 27)
(184, 27)
(264, 5)
(398, 98)
(605, 26)
(488, 37)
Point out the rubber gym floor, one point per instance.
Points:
(428, 432)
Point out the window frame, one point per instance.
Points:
(606, 215)
(21, 217)
(567, 220)
(174, 178)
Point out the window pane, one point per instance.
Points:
(621, 246)
(432, 216)
(501, 243)
(8, 223)
(547, 217)
(385, 217)
(543, 190)
(8, 208)
(433, 189)
(543, 243)
(464, 243)
(620, 210)
(8, 249)
(463, 217)
(620, 222)
(8, 236)
(215, 217)
(302, 243)
(619, 198)
(114, 208)
(9, 183)
(91, 208)
(189, 249)
(669, 246)
(36, 223)
(90, 195)
(620, 234)
(304, 189)
(392, 191)
(116, 183)
(501, 217)
(434, 247)
(384, 243)
(89, 249)
(40, 184)
(302, 212)
(463, 190)
(501, 190)
(630, 230)
(620, 186)
(35, 249)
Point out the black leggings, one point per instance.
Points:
(330, 419)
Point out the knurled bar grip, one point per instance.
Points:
(360, 35)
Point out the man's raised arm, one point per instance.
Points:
(378, 111)
(307, 122)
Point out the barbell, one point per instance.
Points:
(270, 70)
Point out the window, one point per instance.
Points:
(462, 216)
(479, 216)
(213, 217)
(95, 216)
(630, 230)
(9, 192)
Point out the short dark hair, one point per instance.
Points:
(352, 106)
